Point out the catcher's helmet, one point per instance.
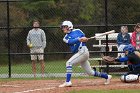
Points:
(129, 48)
(67, 23)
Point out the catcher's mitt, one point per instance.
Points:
(108, 59)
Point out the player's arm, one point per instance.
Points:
(119, 41)
(81, 38)
(28, 40)
(73, 41)
(67, 40)
(43, 39)
(122, 59)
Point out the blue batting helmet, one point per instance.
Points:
(129, 48)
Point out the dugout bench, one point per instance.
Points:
(113, 68)
(111, 41)
(111, 37)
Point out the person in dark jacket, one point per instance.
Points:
(123, 39)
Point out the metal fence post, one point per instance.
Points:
(8, 33)
(106, 29)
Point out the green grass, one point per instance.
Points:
(105, 91)
(50, 67)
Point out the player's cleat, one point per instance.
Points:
(108, 80)
(66, 84)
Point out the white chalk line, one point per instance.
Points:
(36, 90)
(130, 84)
(10, 86)
(52, 84)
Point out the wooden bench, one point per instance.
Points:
(102, 66)
(112, 37)
(100, 39)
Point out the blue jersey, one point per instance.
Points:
(71, 39)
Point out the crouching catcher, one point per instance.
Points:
(133, 58)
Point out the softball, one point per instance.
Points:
(30, 45)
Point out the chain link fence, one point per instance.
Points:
(91, 16)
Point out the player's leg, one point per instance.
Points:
(69, 64)
(88, 69)
(134, 70)
(34, 68)
(130, 67)
(33, 59)
(42, 64)
(41, 60)
(86, 65)
(75, 59)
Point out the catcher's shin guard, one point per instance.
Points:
(129, 78)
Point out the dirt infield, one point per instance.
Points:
(51, 86)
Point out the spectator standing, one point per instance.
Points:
(36, 41)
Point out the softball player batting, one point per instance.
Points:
(76, 40)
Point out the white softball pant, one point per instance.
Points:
(81, 57)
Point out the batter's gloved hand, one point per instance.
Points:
(83, 39)
(108, 59)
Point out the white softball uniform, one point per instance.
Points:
(81, 57)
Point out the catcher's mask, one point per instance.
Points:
(129, 48)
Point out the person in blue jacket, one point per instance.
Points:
(76, 40)
(123, 39)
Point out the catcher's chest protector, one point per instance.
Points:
(129, 78)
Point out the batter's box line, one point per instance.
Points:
(10, 86)
(33, 90)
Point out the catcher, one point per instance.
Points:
(131, 56)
